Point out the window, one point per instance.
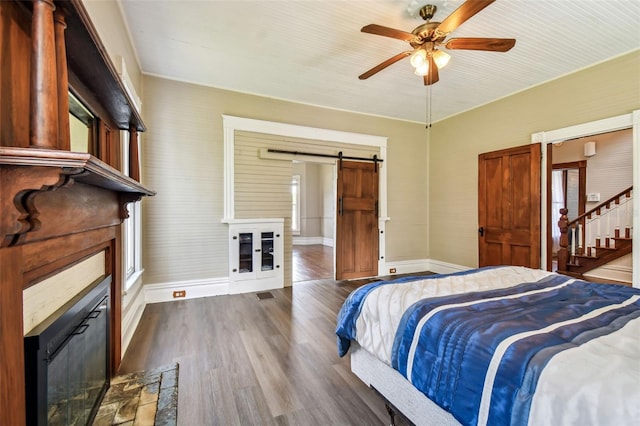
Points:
(132, 228)
(295, 204)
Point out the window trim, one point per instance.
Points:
(295, 201)
(131, 229)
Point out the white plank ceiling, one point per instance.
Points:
(312, 51)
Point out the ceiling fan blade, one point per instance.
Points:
(432, 76)
(459, 16)
(383, 65)
(388, 32)
(490, 44)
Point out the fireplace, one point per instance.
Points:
(66, 360)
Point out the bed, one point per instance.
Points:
(498, 346)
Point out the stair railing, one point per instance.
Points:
(586, 230)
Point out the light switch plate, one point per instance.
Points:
(593, 197)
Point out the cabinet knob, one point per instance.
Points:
(235, 237)
(257, 250)
(234, 270)
(277, 266)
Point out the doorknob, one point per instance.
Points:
(481, 231)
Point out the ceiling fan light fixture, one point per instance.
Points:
(441, 58)
(425, 39)
(418, 57)
(422, 70)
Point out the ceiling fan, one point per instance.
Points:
(428, 37)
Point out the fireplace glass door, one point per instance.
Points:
(76, 375)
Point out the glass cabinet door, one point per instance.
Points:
(267, 258)
(245, 255)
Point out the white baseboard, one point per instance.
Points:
(440, 267)
(156, 293)
(421, 265)
(405, 267)
(307, 241)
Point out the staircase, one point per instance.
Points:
(596, 237)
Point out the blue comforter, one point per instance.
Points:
(479, 355)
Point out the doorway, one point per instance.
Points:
(312, 221)
(585, 172)
(626, 121)
(568, 190)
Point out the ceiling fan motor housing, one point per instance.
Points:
(424, 33)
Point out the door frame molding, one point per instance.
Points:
(231, 124)
(620, 122)
(581, 166)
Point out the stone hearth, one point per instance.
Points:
(141, 399)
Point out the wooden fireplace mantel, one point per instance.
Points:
(99, 192)
(84, 168)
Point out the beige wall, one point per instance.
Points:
(183, 237)
(610, 171)
(605, 90)
(107, 20)
(328, 185)
(311, 199)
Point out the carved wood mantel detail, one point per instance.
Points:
(27, 175)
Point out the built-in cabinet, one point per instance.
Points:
(255, 255)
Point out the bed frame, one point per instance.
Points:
(394, 388)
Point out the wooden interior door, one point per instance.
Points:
(509, 207)
(357, 220)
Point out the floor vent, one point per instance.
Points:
(265, 295)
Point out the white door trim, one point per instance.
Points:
(232, 123)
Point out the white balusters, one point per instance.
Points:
(589, 235)
(598, 228)
(616, 232)
(628, 221)
(604, 222)
(580, 238)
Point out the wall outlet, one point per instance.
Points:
(593, 197)
(179, 293)
(392, 270)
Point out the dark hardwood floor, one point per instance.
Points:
(312, 262)
(245, 361)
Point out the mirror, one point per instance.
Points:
(80, 126)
